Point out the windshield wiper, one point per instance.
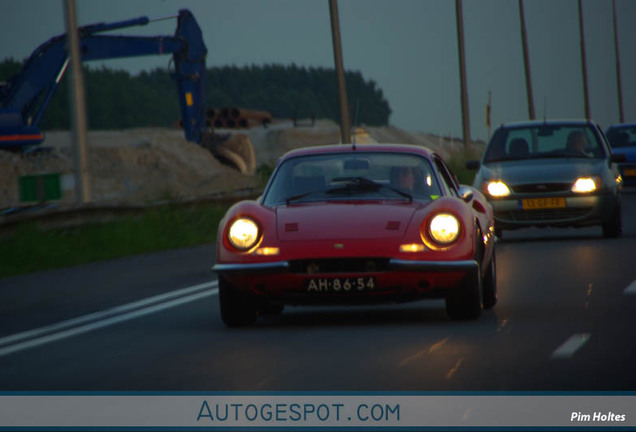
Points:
(301, 196)
(506, 159)
(406, 195)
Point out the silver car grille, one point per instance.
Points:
(536, 188)
(545, 215)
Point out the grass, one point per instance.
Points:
(30, 248)
(464, 175)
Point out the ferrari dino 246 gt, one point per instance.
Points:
(357, 225)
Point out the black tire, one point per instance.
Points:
(498, 233)
(269, 308)
(464, 302)
(614, 227)
(237, 309)
(489, 284)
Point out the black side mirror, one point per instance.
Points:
(472, 164)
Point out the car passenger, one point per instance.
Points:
(403, 178)
(519, 148)
(410, 180)
(577, 143)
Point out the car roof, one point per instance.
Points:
(621, 126)
(551, 122)
(348, 148)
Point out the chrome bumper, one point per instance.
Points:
(395, 264)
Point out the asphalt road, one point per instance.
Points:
(565, 321)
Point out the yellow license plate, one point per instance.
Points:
(542, 203)
(630, 172)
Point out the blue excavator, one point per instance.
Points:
(24, 98)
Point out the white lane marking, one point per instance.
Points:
(572, 345)
(631, 289)
(97, 320)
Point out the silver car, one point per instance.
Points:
(551, 173)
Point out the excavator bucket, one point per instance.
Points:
(234, 150)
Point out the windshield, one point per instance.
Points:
(622, 136)
(544, 141)
(352, 176)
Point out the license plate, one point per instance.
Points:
(542, 203)
(629, 172)
(340, 285)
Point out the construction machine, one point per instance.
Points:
(25, 97)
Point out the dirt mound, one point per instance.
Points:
(140, 166)
(132, 166)
(280, 137)
(447, 147)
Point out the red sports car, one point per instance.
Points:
(362, 224)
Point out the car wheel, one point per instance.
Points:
(237, 309)
(498, 233)
(464, 302)
(490, 284)
(614, 226)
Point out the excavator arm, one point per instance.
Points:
(25, 98)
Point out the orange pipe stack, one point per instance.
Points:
(238, 118)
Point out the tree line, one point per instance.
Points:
(117, 100)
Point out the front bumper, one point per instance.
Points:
(396, 264)
(628, 172)
(579, 211)
(401, 280)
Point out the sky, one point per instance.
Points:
(408, 47)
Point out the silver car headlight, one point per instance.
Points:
(586, 184)
(496, 189)
(243, 234)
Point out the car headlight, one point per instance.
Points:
(444, 228)
(586, 184)
(243, 233)
(496, 189)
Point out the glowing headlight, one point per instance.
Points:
(444, 228)
(243, 233)
(497, 189)
(585, 184)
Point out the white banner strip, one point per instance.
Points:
(317, 411)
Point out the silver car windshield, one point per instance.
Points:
(352, 176)
(544, 141)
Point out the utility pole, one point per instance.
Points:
(488, 109)
(345, 129)
(462, 74)
(526, 61)
(78, 104)
(583, 62)
(621, 115)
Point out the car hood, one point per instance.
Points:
(542, 170)
(328, 221)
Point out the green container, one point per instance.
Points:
(40, 187)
